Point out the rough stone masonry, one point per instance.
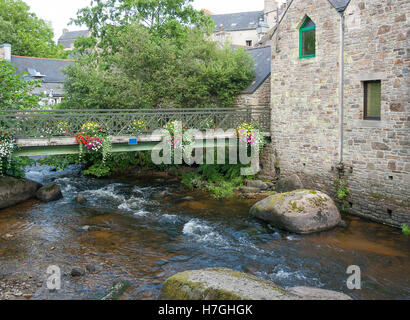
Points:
(305, 100)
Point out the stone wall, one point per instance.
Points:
(305, 104)
(377, 48)
(305, 96)
(261, 97)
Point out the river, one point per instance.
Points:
(127, 235)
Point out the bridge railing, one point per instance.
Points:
(30, 124)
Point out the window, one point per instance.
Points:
(307, 39)
(372, 100)
(249, 43)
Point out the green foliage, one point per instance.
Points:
(220, 180)
(28, 35)
(405, 229)
(222, 189)
(15, 167)
(140, 71)
(98, 169)
(340, 184)
(163, 18)
(60, 162)
(191, 180)
(14, 91)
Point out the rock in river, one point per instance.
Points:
(300, 211)
(77, 272)
(227, 284)
(51, 192)
(80, 198)
(259, 184)
(14, 191)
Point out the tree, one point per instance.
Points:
(28, 35)
(162, 17)
(140, 70)
(15, 93)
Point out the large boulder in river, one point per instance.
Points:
(51, 192)
(300, 211)
(227, 284)
(14, 191)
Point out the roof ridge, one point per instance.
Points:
(13, 55)
(227, 14)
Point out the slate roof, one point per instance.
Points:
(262, 58)
(340, 5)
(68, 38)
(237, 21)
(50, 68)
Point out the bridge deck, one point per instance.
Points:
(49, 132)
(68, 145)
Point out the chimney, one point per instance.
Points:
(5, 52)
(207, 12)
(270, 12)
(65, 31)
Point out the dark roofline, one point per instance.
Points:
(342, 8)
(286, 11)
(13, 55)
(229, 14)
(258, 82)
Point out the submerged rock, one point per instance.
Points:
(117, 290)
(48, 193)
(77, 272)
(227, 284)
(80, 198)
(90, 268)
(14, 191)
(300, 211)
(308, 293)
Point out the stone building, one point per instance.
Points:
(245, 28)
(336, 101)
(68, 37)
(48, 71)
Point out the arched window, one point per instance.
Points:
(307, 39)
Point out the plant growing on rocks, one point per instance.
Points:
(340, 184)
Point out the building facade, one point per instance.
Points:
(48, 71)
(308, 110)
(68, 38)
(241, 29)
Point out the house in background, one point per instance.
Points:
(340, 94)
(48, 71)
(68, 37)
(245, 28)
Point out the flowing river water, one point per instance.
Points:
(128, 235)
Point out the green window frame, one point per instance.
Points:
(308, 28)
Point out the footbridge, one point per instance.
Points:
(52, 132)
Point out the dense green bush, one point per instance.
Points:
(141, 71)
